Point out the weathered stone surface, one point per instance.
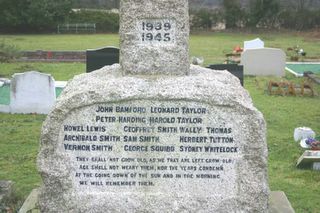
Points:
(6, 191)
(30, 205)
(32, 92)
(154, 37)
(216, 181)
(279, 203)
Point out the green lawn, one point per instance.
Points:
(283, 115)
(211, 46)
(19, 144)
(19, 134)
(59, 71)
(62, 41)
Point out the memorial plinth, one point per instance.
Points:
(128, 138)
(154, 145)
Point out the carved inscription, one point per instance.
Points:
(128, 145)
(156, 31)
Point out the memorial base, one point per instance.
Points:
(142, 143)
(278, 203)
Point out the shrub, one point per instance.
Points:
(205, 19)
(32, 16)
(300, 19)
(8, 52)
(105, 21)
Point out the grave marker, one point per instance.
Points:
(235, 69)
(150, 142)
(264, 62)
(253, 44)
(97, 58)
(32, 92)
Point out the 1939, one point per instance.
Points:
(156, 26)
(156, 31)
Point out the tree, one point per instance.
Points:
(105, 4)
(302, 5)
(233, 13)
(263, 12)
(300, 14)
(205, 19)
(28, 15)
(202, 19)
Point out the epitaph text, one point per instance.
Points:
(144, 145)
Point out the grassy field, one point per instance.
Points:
(19, 143)
(59, 71)
(211, 46)
(61, 41)
(283, 115)
(19, 134)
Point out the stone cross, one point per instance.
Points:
(154, 37)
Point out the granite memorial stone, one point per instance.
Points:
(235, 69)
(128, 138)
(6, 192)
(154, 37)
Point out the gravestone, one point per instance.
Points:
(253, 44)
(264, 62)
(32, 92)
(235, 69)
(137, 137)
(97, 58)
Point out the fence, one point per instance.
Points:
(76, 28)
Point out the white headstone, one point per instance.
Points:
(253, 44)
(149, 142)
(32, 92)
(264, 62)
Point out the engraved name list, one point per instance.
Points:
(145, 144)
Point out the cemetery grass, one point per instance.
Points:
(59, 71)
(212, 46)
(283, 114)
(19, 144)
